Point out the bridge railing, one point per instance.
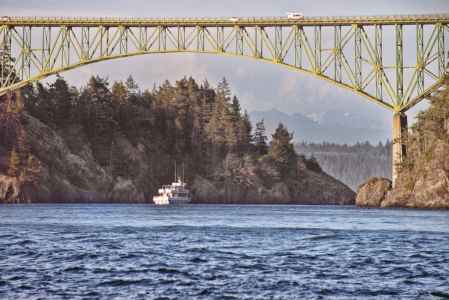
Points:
(226, 20)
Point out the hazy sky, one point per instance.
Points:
(258, 85)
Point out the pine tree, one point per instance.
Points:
(14, 164)
(282, 149)
(235, 109)
(11, 112)
(245, 172)
(212, 130)
(223, 93)
(131, 86)
(60, 100)
(260, 138)
(247, 128)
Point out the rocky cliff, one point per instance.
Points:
(423, 180)
(311, 188)
(428, 189)
(68, 178)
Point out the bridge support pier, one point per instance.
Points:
(399, 150)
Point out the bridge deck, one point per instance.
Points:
(227, 22)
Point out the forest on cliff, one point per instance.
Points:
(427, 140)
(186, 122)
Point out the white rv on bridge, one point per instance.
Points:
(294, 16)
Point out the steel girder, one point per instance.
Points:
(68, 44)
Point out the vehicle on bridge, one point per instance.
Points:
(294, 16)
(233, 19)
(5, 18)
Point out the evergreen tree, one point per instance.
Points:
(10, 117)
(28, 93)
(235, 109)
(14, 164)
(248, 128)
(121, 93)
(131, 86)
(60, 100)
(260, 138)
(97, 89)
(282, 149)
(223, 93)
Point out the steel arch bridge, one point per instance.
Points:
(33, 48)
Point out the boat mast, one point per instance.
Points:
(175, 171)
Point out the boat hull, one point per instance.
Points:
(166, 200)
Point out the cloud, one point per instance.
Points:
(289, 90)
(241, 71)
(249, 101)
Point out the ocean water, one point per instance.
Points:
(222, 252)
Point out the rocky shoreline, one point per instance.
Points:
(312, 188)
(430, 189)
(71, 175)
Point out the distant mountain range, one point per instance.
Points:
(333, 117)
(331, 126)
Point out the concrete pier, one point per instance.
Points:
(399, 125)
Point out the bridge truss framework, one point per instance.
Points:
(35, 48)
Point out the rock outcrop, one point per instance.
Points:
(428, 189)
(431, 187)
(311, 188)
(373, 192)
(9, 189)
(68, 178)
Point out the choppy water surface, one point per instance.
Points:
(222, 252)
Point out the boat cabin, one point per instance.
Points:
(175, 190)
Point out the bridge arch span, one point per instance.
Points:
(97, 60)
(354, 60)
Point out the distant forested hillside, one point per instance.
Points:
(352, 165)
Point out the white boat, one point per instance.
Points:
(176, 193)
